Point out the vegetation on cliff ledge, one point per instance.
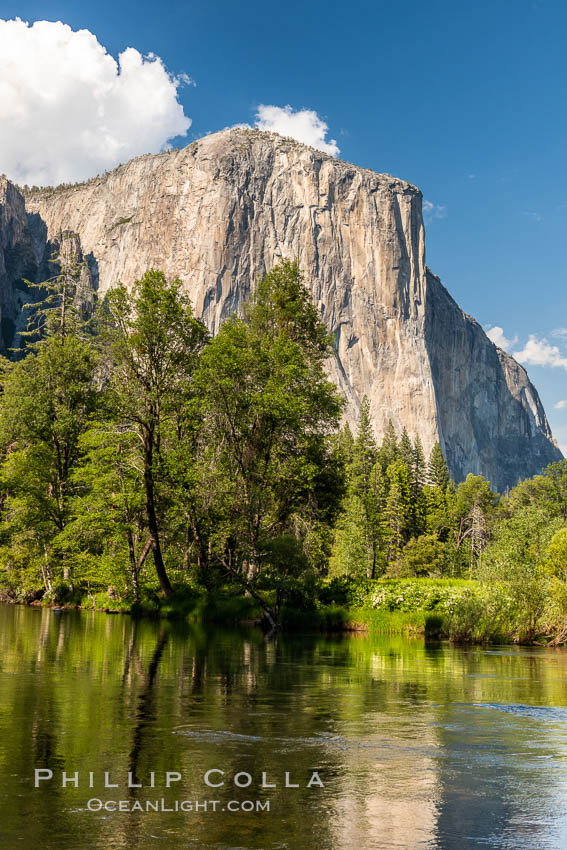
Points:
(145, 465)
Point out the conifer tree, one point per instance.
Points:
(417, 482)
(364, 451)
(362, 516)
(375, 513)
(406, 452)
(367, 481)
(389, 449)
(66, 302)
(345, 444)
(397, 513)
(419, 465)
(437, 511)
(438, 472)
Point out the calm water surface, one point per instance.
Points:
(417, 746)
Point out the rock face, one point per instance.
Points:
(27, 254)
(490, 417)
(221, 212)
(17, 262)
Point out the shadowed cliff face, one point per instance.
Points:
(28, 255)
(224, 210)
(17, 262)
(490, 417)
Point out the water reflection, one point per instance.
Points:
(418, 746)
(145, 715)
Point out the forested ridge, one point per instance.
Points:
(146, 465)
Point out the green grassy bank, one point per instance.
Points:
(387, 606)
(464, 611)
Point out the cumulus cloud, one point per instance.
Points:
(303, 125)
(538, 352)
(559, 333)
(70, 110)
(560, 405)
(496, 334)
(431, 211)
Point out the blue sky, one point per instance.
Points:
(464, 99)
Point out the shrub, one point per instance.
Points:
(422, 556)
(481, 614)
(416, 595)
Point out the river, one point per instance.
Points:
(392, 743)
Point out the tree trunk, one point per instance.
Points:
(165, 586)
(270, 615)
(68, 579)
(46, 572)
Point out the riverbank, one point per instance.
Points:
(327, 619)
(463, 611)
(410, 607)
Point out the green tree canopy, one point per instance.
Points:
(268, 411)
(153, 342)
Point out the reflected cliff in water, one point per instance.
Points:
(417, 746)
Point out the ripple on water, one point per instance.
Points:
(546, 713)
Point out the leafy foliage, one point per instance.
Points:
(221, 462)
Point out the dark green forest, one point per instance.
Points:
(146, 465)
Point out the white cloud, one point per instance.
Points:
(560, 405)
(70, 111)
(303, 125)
(496, 334)
(559, 333)
(538, 352)
(431, 211)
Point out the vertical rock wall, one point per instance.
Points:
(221, 212)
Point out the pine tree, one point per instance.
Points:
(364, 451)
(398, 506)
(437, 511)
(363, 509)
(66, 301)
(389, 450)
(375, 514)
(367, 481)
(345, 444)
(417, 482)
(419, 465)
(406, 452)
(438, 472)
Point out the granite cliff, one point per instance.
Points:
(222, 211)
